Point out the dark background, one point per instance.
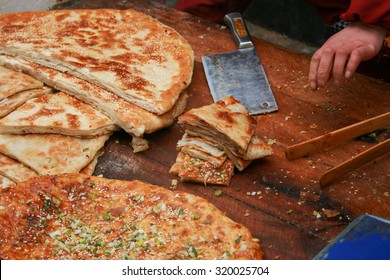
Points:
(293, 18)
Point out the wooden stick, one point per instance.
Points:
(337, 136)
(355, 162)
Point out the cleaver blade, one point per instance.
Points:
(240, 73)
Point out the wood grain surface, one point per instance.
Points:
(279, 200)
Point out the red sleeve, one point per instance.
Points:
(212, 10)
(369, 11)
(366, 11)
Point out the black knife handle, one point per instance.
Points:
(239, 30)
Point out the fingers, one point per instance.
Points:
(314, 63)
(354, 61)
(341, 58)
(342, 53)
(321, 67)
(334, 63)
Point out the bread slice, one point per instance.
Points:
(12, 82)
(57, 113)
(225, 121)
(51, 154)
(197, 170)
(5, 182)
(12, 102)
(15, 170)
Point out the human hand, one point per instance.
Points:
(342, 53)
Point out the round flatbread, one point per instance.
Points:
(76, 216)
(124, 51)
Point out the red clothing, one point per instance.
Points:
(366, 11)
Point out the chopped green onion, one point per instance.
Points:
(218, 193)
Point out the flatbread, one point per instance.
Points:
(198, 153)
(223, 128)
(12, 82)
(15, 170)
(257, 148)
(90, 168)
(139, 144)
(57, 113)
(210, 147)
(124, 51)
(74, 216)
(5, 182)
(131, 118)
(12, 102)
(197, 170)
(226, 120)
(51, 154)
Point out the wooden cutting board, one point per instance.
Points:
(280, 201)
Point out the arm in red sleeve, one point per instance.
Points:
(369, 12)
(366, 11)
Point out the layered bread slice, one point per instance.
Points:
(57, 113)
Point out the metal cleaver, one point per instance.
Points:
(240, 73)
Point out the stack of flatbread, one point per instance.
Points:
(218, 138)
(122, 62)
(111, 69)
(42, 132)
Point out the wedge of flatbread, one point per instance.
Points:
(90, 168)
(15, 170)
(12, 82)
(222, 129)
(198, 153)
(257, 148)
(210, 147)
(12, 102)
(124, 51)
(5, 182)
(74, 216)
(133, 119)
(57, 113)
(197, 170)
(226, 121)
(18, 172)
(212, 151)
(51, 154)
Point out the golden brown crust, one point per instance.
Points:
(52, 154)
(199, 153)
(123, 51)
(194, 169)
(20, 82)
(226, 120)
(57, 113)
(133, 119)
(227, 126)
(75, 216)
(12, 102)
(15, 170)
(5, 182)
